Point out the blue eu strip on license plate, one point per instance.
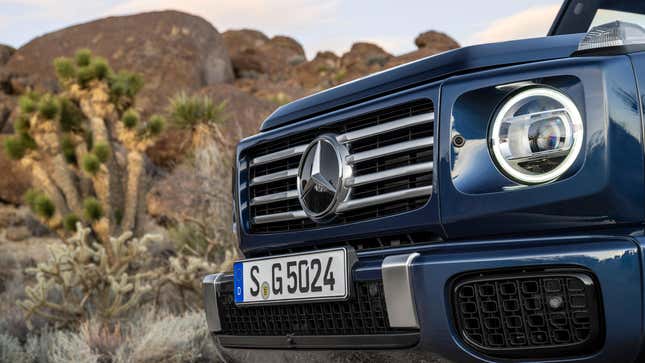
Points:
(238, 282)
(312, 276)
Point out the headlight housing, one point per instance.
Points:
(536, 135)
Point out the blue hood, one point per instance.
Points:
(456, 61)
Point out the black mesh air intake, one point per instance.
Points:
(363, 314)
(529, 314)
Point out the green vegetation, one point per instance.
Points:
(156, 125)
(130, 119)
(92, 209)
(15, 147)
(102, 152)
(91, 164)
(189, 111)
(65, 69)
(48, 107)
(83, 57)
(70, 221)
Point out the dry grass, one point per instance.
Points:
(160, 337)
(67, 347)
(11, 350)
(151, 337)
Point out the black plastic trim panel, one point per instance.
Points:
(385, 341)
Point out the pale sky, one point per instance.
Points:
(316, 24)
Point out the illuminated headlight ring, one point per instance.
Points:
(536, 135)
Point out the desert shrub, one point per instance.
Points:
(65, 347)
(161, 337)
(11, 350)
(37, 347)
(80, 281)
(13, 323)
(103, 338)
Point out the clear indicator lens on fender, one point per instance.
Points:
(615, 34)
(536, 135)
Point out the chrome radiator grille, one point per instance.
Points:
(391, 153)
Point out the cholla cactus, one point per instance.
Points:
(201, 250)
(79, 279)
(85, 147)
(186, 272)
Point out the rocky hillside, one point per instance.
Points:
(250, 71)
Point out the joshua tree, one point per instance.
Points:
(85, 149)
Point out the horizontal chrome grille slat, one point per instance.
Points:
(390, 149)
(279, 217)
(389, 174)
(353, 204)
(275, 197)
(280, 175)
(390, 154)
(385, 127)
(279, 155)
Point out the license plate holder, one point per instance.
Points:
(322, 275)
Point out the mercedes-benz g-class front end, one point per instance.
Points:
(483, 204)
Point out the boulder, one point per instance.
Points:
(17, 233)
(429, 43)
(15, 179)
(410, 57)
(286, 50)
(9, 216)
(276, 92)
(361, 60)
(254, 55)
(319, 72)
(172, 50)
(5, 53)
(240, 40)
(435, 40)
(7, 105)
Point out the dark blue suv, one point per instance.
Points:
(484, 204)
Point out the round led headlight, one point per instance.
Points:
(536, 135)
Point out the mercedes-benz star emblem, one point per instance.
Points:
(321, 177)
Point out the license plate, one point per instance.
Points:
(320, 275)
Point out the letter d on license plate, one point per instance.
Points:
(320, 275)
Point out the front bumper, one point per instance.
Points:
(417, 282)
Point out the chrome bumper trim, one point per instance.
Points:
(209, 286)
(397, 285)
